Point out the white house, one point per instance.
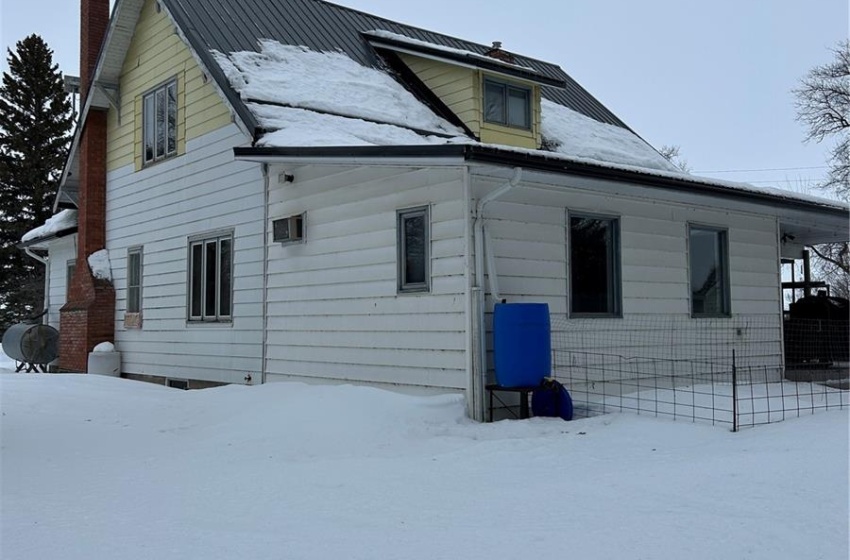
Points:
(298, 190)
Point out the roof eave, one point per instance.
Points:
(469, 61)
(496, 156)
(488, 154)
(206, 60)
(46, 238)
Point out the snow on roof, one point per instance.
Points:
(573, 134)
(64, 220)
(382, 34)
(680, 175)
(306, 98)
(328, 82)
(300, 127)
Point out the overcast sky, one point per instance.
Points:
(712, 77)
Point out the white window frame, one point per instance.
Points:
(217, 315)
(152, 123)
(134, 252)
(405, 286)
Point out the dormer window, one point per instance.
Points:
(507, 104)
(159, 119)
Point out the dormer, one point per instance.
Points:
(496, 99)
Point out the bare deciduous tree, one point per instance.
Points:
(823, 105)
(672, 154)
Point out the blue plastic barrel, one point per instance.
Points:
(521, 344)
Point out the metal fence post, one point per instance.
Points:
(734, 393)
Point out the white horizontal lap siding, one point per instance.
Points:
(160, 208)
(334, 311)
(528, 228)
(60, 251)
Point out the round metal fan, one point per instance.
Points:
(32, 346)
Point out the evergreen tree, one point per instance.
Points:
(35, 129)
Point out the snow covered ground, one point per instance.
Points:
(101, 467)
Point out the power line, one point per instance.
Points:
(767, 169)
(777, 181)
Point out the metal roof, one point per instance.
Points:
(237, 25)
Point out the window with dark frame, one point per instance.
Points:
(594, 266)
(210, 278)
(507, 104)
(159, 123)
(413, 250)
(708, 264)
(134, 280)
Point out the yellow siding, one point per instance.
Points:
(157, 55)
(456, 86)
(461, 90)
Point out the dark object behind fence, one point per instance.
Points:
(817, 331)
(726, 371)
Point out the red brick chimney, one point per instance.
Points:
(88, 318)
(496, 52)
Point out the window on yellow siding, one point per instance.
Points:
(507, 104)
(159, 122)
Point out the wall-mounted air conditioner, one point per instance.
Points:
(288, 230)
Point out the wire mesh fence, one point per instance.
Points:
(728, 371)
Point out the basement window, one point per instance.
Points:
(210, 278)
(507, 104)
(159, 122)
(177, 383)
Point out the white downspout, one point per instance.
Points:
(492, 276)
(265, 338)
(479, 283)
(46, 318)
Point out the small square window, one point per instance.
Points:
(594, 266)
(413, 250)
(507, 104)
(708, 263)
(210, 278)
(159, 122)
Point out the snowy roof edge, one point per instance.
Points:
(554, 162)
